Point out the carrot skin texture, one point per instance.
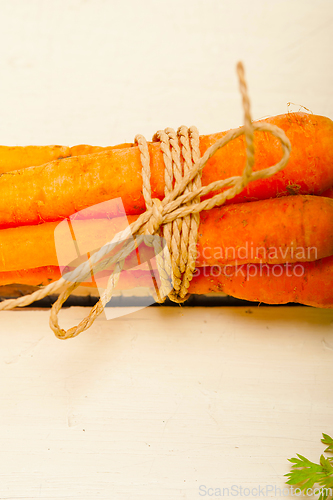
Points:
(63, 187)
(312, 288)
(290, 229)
(287, 229)
(19, 157)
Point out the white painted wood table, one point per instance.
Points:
(165, 403)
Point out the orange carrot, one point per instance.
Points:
(84, 149)
(278, 230)
(42, 276)
(308, 283)
(18, 157)
(58, 189)
(328, 193)
(295, 228)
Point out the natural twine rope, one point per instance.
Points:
(181, 234)
(178, 213)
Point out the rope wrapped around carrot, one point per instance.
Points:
(58, 189)
(66, 186)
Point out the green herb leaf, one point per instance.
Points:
(328, 440)
(307, 474)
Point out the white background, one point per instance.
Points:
(155, 404)
(102, 71)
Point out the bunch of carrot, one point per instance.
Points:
(290, 212)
